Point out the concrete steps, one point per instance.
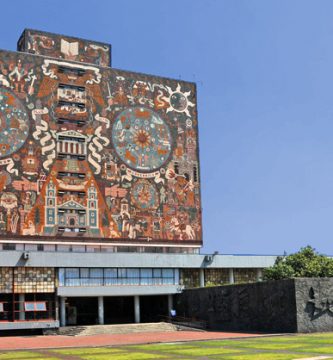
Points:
(116, 329)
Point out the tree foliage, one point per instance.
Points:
(305, 263)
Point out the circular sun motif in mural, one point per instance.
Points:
(144, 195)
(178, 101)
(14, 123)
(141, 138)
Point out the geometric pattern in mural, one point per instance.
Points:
(91, 152)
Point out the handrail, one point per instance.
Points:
(184, 321)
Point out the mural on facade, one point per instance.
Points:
(65, 47)
(95, 152)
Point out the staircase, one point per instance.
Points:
(116, 329)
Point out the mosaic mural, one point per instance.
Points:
(96, 153)
(65, 47)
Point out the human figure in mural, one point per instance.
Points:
(2, 222)
(162, 195)
(17, 75)
(3, 76)
(14, 221)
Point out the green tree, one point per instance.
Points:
(305, 263)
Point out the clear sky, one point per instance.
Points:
(264, 70)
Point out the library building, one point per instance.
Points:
(100, 204)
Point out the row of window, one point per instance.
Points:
(95, 248)
(117, 276)
(117, 273)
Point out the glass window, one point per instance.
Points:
(1, 307)
(96, 273)
(167, 273)
(30, 247)
(78, 248)
(110, 273)
(40, 247)
(72, 273)
(8, 247)
(40, 306)
(84, 273)
(146, 273)
(61, 277)
(65, 248)
(133, 273)
(49, 247)
(122, 273)
(157, 273)
(73, 282)
(29, 306)
(35, 306)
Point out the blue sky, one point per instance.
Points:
(264, 70)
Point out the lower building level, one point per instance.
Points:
(51, 289)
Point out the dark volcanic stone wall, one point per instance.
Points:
(314, 298)
(266, 306)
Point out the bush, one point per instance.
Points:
(305, 263)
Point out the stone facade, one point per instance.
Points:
(314, 299)
(295, 305)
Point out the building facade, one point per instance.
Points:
(100, 206)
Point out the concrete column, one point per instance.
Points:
(100, 310)
(137, 308)
(56, 307)
(170, 304)
(21, 307)
(62, 311)
(259, 275)
(231, 276)
(201, 277)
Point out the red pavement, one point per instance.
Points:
(58, 341)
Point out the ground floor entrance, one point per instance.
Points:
(119, 310)
(81, 311)
(152, 308)
(114, 309)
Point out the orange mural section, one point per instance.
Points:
(90, 152)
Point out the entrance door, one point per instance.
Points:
(84, 310)
(119, 310)
(153, 307)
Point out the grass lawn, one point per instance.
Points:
(316, 346)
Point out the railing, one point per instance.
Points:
(184, 321)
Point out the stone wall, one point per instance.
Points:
(267, 307)
(295, 305)
(314, 298)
